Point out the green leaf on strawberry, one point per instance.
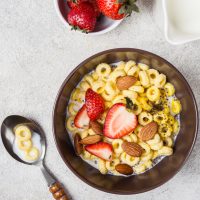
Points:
(128, 7)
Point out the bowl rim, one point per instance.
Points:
(110, 28)
(56, 104)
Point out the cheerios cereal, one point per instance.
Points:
(111, 110)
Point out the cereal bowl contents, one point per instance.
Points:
(124, 173)
(123, 118)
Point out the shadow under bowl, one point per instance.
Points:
(164, 170)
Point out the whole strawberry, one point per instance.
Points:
(82, 17)
(94, 104)
(74, 3)
(117, 9)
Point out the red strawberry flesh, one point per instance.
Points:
(110, 8)
(119, 122)
(117, 9)
(95, 6)
(82, 120)
(82, 17)
(94, 104)
(102, 150)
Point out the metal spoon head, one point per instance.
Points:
(8, 136)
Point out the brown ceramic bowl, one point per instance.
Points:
(163, 171)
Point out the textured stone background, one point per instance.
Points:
(36, 54)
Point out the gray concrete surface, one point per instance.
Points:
(36, 54)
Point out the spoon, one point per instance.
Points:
(8, 137)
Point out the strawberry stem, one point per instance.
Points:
(76, 28)
(128, 6)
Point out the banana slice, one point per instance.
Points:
(22, 132)
(24, 145)
(32, 154)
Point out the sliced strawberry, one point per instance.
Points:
(94, 104)
(102, 150)
(82, 120)
(119, 121)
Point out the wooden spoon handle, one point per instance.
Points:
(58, 192)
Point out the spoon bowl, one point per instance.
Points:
(8, 138)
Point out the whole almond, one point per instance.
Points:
(125, 82)
(78, 147)
(148, 131)
(124, 169)
(96, 127)
(132, 149)
(92, 139)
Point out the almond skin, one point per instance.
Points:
(92, 139)
(78, 147)
(132, 149)
(96, 127)
(148, 131)
(124, 169)
(125, 82)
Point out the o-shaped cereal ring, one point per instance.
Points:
(110, 88)
(89, 79)
(160, 81)
(70, 124)
(102, 166)
(130, 160)
(143, 66)
(137, 88)
(155, 140)
(144, 79)
(152, 74)
(117, 146)
(160, 117)
(129, 65)
(32, 154)
(71, 109)
(22, 132)
(98, 86)
(103, 69)
(165, 130)
(145, 118)
(175, 107)
(24, 145)
(153, 93)
(165, 151)
(157, 146)
(169, 89)
(134, 71)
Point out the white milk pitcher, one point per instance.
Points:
(179, 19)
